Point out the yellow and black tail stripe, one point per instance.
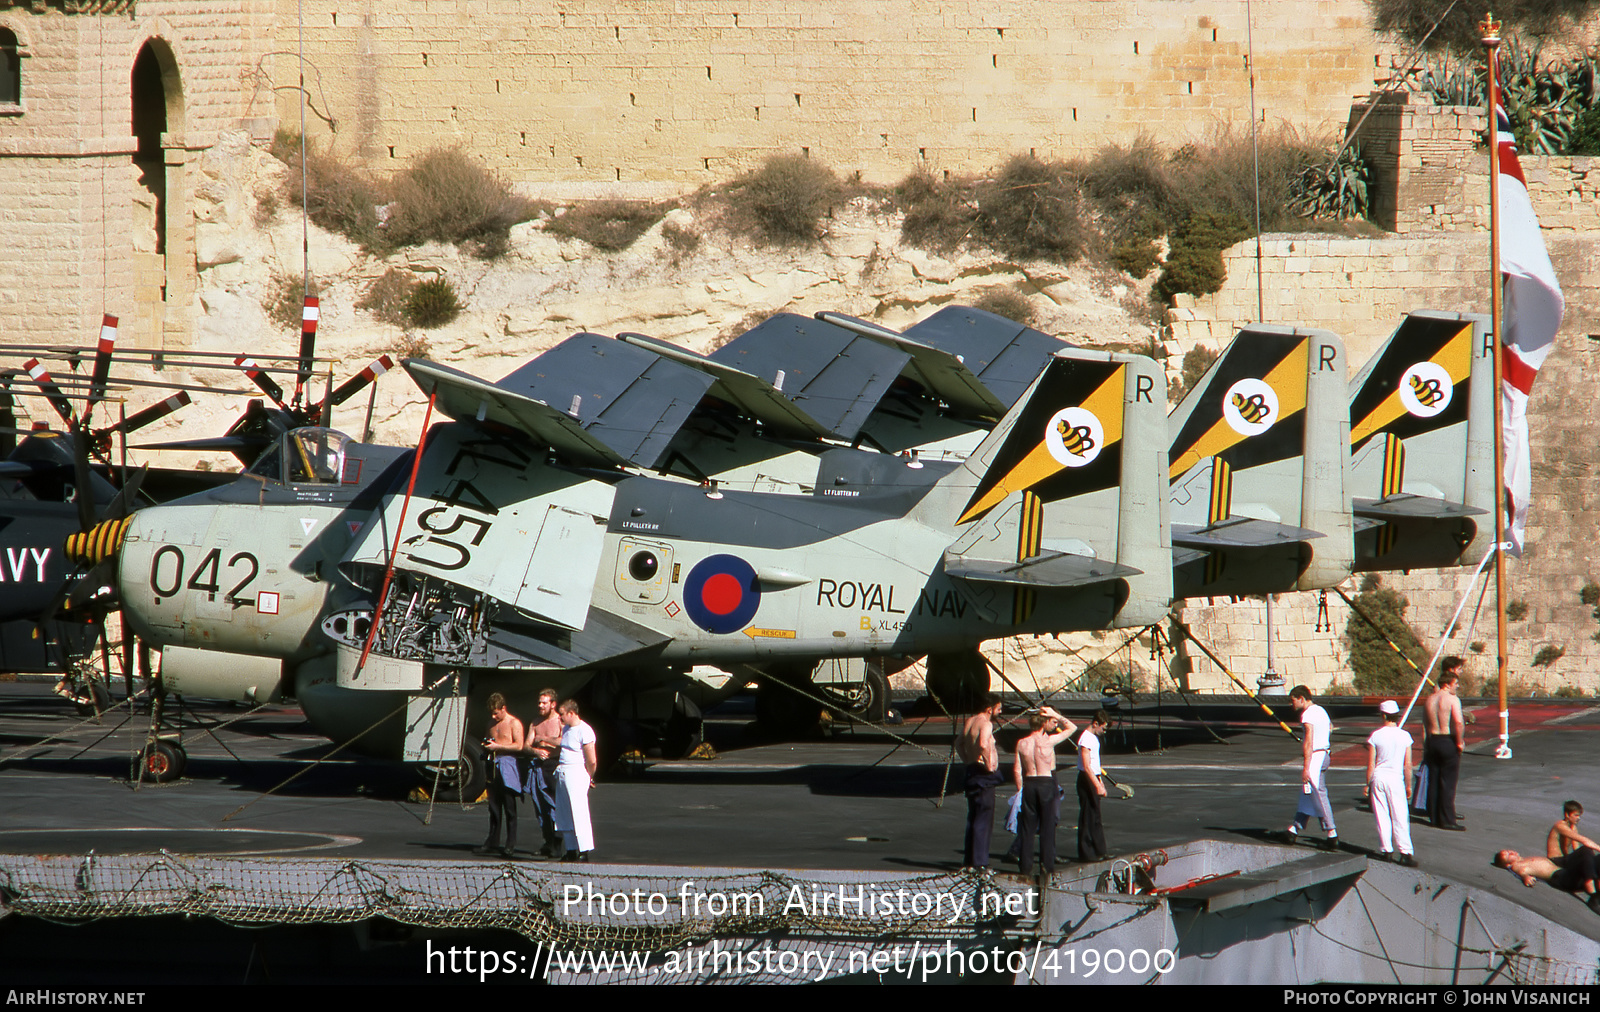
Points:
(99, 542)
(1038, 464)
(1454, 357)
(1030, 540)
(1394, 464)
(1287, 380)
(1216, 564)
(1221, 491)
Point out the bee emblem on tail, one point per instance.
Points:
(1427, 391)
(1254, 409)
(1075, 439)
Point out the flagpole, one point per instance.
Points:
(1491, 44)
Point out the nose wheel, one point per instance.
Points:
(159, 762)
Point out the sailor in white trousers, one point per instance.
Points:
(574, 775)
(1389, 784)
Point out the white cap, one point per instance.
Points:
(1388, 706)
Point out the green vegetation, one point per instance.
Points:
(388, 295)
(1194, 264)
(1549, 102)
(1548, 655)
(1516, 611)
(1376, 666)
(432, 303)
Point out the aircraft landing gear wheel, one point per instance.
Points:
(98, 702)
(160, 762)
(867, 700)
(462, 781)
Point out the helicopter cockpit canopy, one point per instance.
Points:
(311, 455)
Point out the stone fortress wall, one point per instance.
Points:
(692, 93)
(625, 97)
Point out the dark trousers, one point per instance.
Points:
(1091, 837)
(1443, 760)
(1041, 812)
(542, 795)
(502, 806)
(1577, 868)
(980, 814)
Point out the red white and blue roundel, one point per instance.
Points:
(721, 594)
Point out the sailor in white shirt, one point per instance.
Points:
(1091, 836)
(1389, 784)
(1314, 772)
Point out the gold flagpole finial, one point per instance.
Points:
(1489, 29)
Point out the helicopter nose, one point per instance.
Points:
(99, 543)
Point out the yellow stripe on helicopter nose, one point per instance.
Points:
(1287, 380)
(1454, 358)
(1105, 403)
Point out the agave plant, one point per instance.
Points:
(1543, 101)
(1336, 190)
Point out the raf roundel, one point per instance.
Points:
(721, 594)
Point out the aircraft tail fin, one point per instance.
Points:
(1263, 437)
(1422, 444)
(1076, 468)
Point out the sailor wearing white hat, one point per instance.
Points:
(1389, 781)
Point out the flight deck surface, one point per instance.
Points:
(265, 787)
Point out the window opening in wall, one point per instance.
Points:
(10, 68)
(149, 123)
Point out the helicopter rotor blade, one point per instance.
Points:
(308, 343)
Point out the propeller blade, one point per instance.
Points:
(261, 380)
(40, 375)
(229, 443)
(355, 384)
(102, 364)
(308, 342)
(122, 505)
(80, 478)
(156, 412)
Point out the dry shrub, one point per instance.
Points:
(681, 239)
(609, 225)
(445, 196)
(1034, 209)
(783, 201)
(940, 215)
(387, 296)
(338, 196)
(1002, 300)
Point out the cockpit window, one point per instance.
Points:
(308, 456)
(314, 456)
